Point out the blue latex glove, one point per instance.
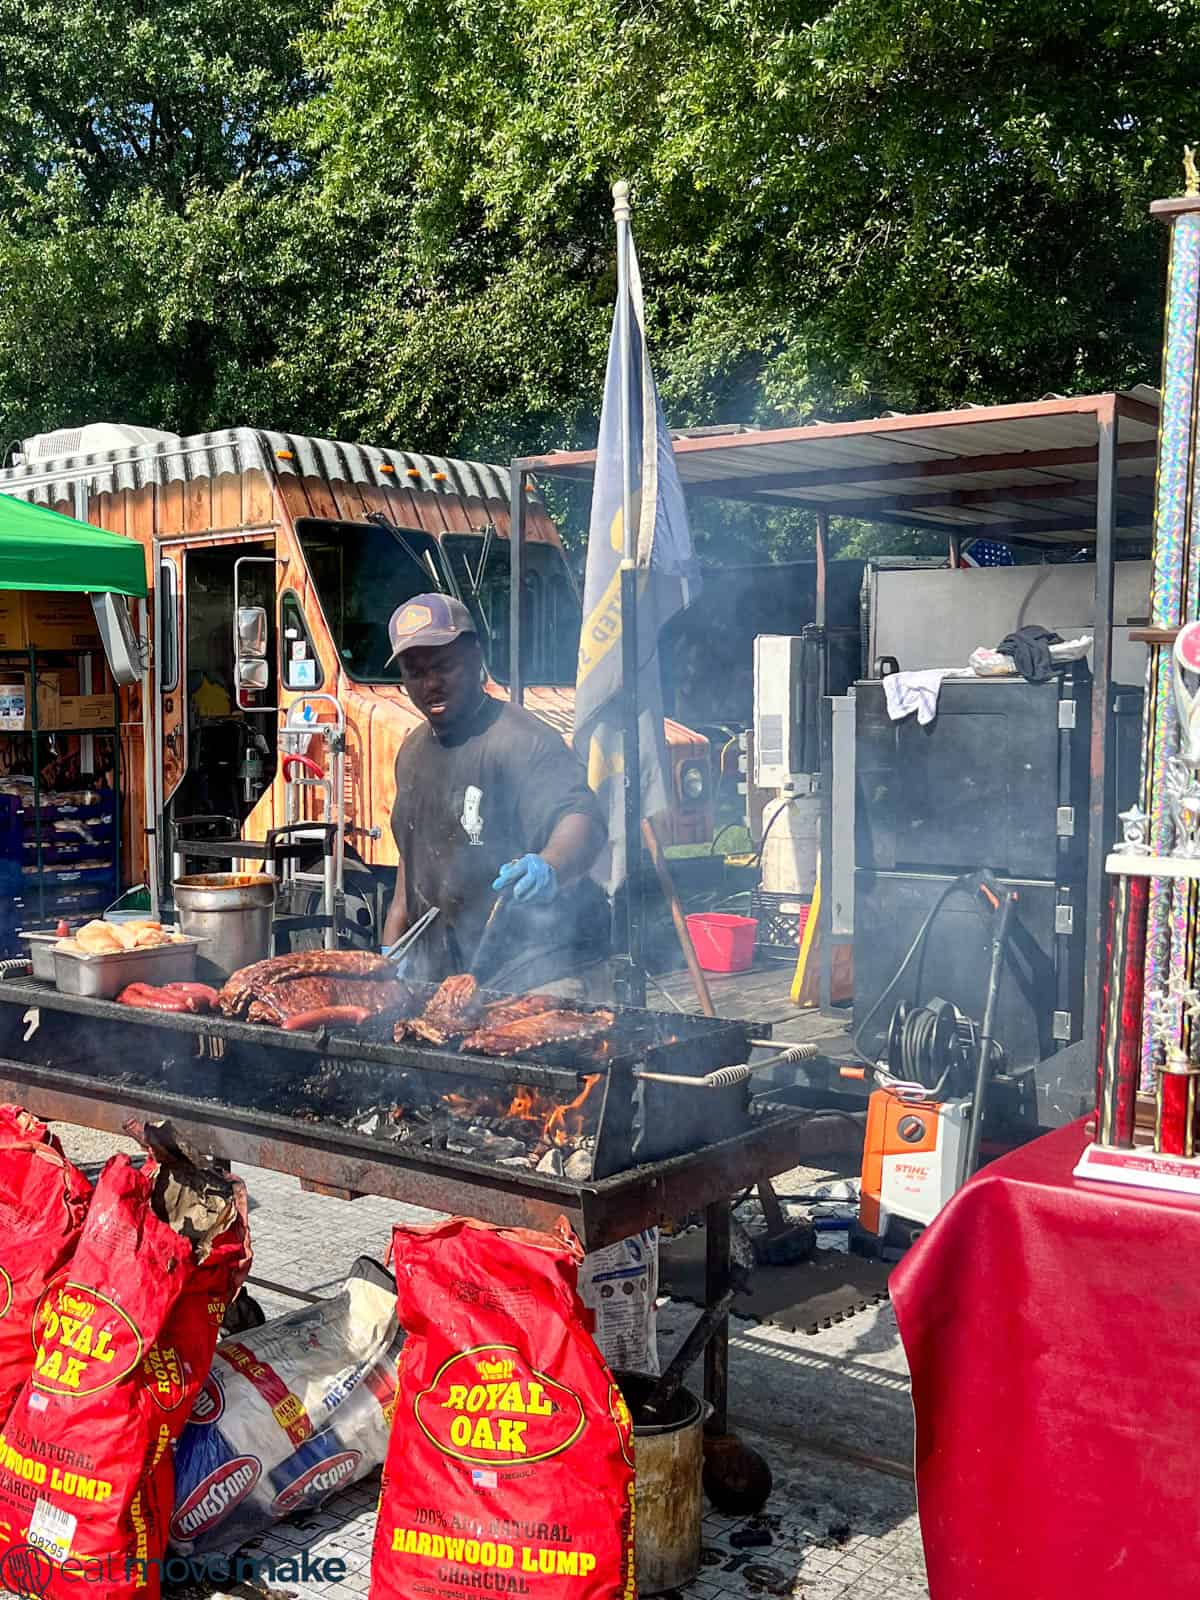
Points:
(531, 879)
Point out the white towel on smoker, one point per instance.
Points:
(907, 692)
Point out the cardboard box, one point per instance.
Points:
(49, 621)
(12, 620)
(15, 707)
(85, 711)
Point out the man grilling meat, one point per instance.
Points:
(489, 801)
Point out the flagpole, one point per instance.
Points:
(629, 622)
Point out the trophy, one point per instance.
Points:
(1182, 782)
(1135, 831)
(1172, 1010)
(1148, 1033)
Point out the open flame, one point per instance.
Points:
(524, 1104)
(565, 1124)
(553, 1122)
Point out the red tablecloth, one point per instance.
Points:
(1053, 1331)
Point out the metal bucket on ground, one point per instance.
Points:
(233, 912)
(668, 1498)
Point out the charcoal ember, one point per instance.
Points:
(467, 1140)
(552, 1163)
(519, 1128)
(505, 1149)
(382, 1125)
(515, 1161)
(578, 1166)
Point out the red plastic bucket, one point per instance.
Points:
(724, 943)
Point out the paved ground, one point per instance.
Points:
(837, 1527)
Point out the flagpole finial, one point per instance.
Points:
(620, 193)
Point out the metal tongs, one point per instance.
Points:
(485, 938)
(396, 953)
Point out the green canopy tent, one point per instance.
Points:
(41, 549)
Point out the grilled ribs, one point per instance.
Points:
(502, 1012)
(258, 983)
(453, 1010)
(276, 1002)
(533, 1032)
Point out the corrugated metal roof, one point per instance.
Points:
(235, 450)
(1008, 470)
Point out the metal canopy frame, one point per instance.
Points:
(1024, 472)
(1055, 471)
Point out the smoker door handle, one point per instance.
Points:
(727, 1077)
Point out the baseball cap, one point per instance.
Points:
(427, 620)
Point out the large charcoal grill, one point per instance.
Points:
(104, 1066)
(223, 1083)
(640, 1120)
(256, 1068)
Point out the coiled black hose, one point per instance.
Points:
(924, 1044)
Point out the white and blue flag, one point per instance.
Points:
(665, 566)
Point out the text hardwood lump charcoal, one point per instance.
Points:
(43, 1201)
(510, 1467)
(125, 1339)
(291, 1413)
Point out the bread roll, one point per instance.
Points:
(100, 939)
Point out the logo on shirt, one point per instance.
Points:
(472, 817)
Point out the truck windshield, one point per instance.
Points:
(362, 573)
(550, 614)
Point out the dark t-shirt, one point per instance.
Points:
(467, 803)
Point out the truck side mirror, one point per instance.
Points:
(253, 674)
(251, 632)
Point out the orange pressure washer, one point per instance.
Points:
(923, 1133)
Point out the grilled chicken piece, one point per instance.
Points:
(250, 983)
(535, 1032)
(453, 1010)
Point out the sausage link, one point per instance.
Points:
(324, 1017)
(145, 997)
(204, 996)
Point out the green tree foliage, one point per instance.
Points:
(391, 219)
(142, 275)
(882, 202)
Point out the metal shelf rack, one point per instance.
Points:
(28, 660)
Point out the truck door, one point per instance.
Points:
(219, 738)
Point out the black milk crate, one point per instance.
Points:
(780, 918)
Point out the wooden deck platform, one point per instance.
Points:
(761, 995)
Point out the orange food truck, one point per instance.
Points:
(295, 551)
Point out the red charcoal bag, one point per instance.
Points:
(510, 1465)
(43, 1201)
(126, 1340)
